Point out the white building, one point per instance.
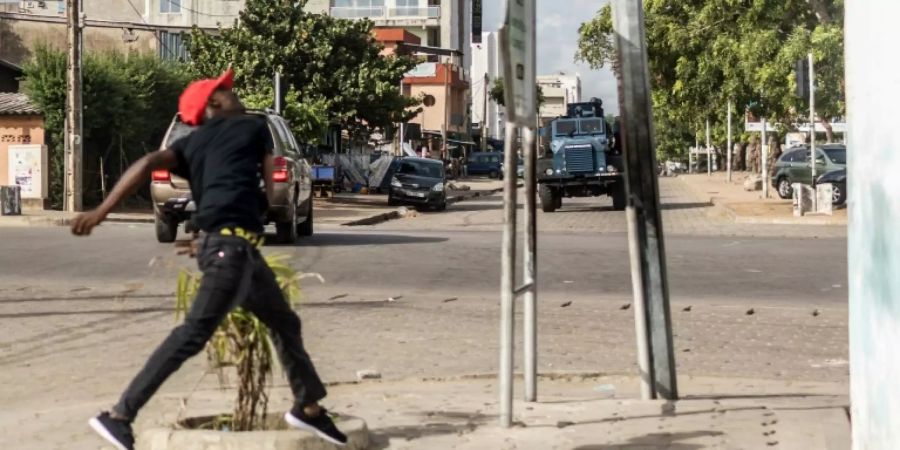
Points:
(486, 62)
(559, 91)
(438, 23)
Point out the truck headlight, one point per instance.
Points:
(396, 183)
(438, 187)
(549, 172)
(611, 169)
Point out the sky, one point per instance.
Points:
(557, 41)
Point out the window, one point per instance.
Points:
(494, 159)
(794, 156)
(173, 46)
(434, 37)
(837, 155)
(407, 7)
(591, 126)
(170, 6)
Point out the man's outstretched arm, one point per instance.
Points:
(131, 180)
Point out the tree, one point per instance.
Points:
(704, 53)
(331, 67)
(498, 93)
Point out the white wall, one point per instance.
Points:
(485, 60)
(873, 105)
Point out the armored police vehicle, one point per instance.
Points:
(582, 159)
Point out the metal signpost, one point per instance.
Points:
(653, 317)
(708, 156)
(517, 39)
(765, 159)
(812, 130)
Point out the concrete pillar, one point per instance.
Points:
(873, 103)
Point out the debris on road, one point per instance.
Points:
(687, 309)
(625, 306)
(368, 374)
(338, 297)
(751, 312)
(451, 299)
(815, 313)
(566, 304)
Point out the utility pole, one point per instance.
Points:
(765, 159)
(73, 163)
(484, 114)
(708, 158)
(656, 356)
(812, 131)
(445, 130)
(729, 149)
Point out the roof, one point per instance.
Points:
(13, 104)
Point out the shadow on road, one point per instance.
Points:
(434, 423)
(351, 239)
(658, 440)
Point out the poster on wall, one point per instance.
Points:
(28, 169)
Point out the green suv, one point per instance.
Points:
(794, 167)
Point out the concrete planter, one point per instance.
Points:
(276, 439)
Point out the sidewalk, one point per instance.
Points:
(583, 412)
(748, 207)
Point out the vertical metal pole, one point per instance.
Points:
(708, 159)
(73, 200)
(812, 130)
(445, 130)
(508, 278)
(529, 264)
(765, 159)
(642, 334)
(402, 126)
(645, 231)
(484, 115)
(278, 99)
(730, 150)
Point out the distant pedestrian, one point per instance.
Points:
(221, 159)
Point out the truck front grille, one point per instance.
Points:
(580, 160)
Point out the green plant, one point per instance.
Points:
(129, 100)
(242, 341)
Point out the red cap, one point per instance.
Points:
(192, 103)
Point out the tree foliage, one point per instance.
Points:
(331, 67)
(129, 101)
(498, 93)
(705, 53)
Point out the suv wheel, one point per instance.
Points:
(166, 230)
(494, 174)
(286, 232)
(306, 228)
(549, 201)
(785, 190)
(618, 196)
(838, 194)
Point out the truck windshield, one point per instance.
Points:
(591, 126)
(566, 127)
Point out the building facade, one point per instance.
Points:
(124, 25)
(486, 69)
(438, 23)
(559, 91)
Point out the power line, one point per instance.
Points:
(155, 35)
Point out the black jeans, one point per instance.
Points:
(234, 274)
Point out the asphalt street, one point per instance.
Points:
(747, 269)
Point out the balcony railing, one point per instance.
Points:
(358, 12)
(431, 12)
(380, 12)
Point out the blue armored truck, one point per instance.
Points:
(582, 159)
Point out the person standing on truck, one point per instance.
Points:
(221, 159)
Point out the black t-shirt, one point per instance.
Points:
(223, 159)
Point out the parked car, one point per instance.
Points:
(418, 181)
(291, 210)
(838, 181)
(794, 166)
(486, 163)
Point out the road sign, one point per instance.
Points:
(517, 39)
(758, 126)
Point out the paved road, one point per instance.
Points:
(768, 270)
(81, 315)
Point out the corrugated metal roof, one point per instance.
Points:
(14, 104)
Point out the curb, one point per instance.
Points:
(400, 213)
